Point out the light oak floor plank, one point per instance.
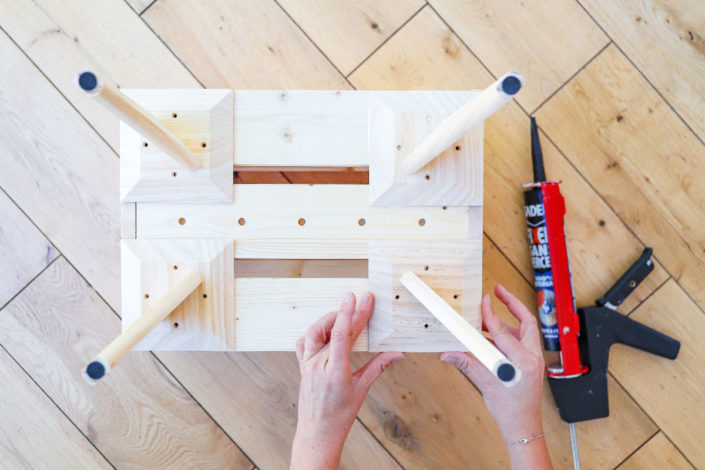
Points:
(138, 416)
(657, 454)
(666, 41)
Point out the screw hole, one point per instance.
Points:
(457, 147)
(428, 177)
(302, 221)
(241, 221)
(182, 221)
(173, 173)
(455, 296)
(396, 297)
(203, 145)
(146, 296)
(175, 267)
(632, 284)
(205, 296)
(173, 115)
(422, 222)
(425, 268)
(176, 324)
(398, 147)
(145, 144)
(426, 325)
(361, 222)
(445, 207)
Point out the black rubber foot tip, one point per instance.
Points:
(95, 370)
(511, 85)
(506, 372)
(88, 81)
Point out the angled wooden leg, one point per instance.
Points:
(120, 346)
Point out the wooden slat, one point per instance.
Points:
(275, 320)
(139, 416)
(128, 220)
(261, 391)
(653, 181)
(33, 428)
(63, 40)
(139, 5)
(600, 245)
(665, 40)
(547, 41)
(24, 251)
(274, 54)
(332, 25)
(669, 391)
(657, 454)
(271, 217)
(293, 268)
(60, 172)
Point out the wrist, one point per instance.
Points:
(314, 451)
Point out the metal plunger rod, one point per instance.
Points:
(460, 122)
(120, 346)
(138, 118)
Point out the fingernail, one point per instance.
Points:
(449, 359)
(366, 298)
(403, 356)
(348, 298)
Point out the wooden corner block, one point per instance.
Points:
(398, 123)
(206, 319)
(453, 268)
(203, 121)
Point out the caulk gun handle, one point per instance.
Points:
(628, 282)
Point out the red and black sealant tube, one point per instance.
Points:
(544, 209)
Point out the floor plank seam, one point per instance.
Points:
(678, 448)
(609, 43)
(668, 278)
(342, 75)
(658, 430)
(57, 406)
(668, 103)
(385, 41)
(374, 436)
(528, 281)
(633, 399)
(31, 280)
(147, 7)
(36, 66)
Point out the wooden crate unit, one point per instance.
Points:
(179, 218)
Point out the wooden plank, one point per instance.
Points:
(600, 245)
(453, 268)
(140, 416)
(293, 268)
(60, 172)
(653, 181)
(669, 391)
(24, 251)
(656, 454)
(33, 428)
(548, 48)
(140, 5)
(664, 40)
(275, 54)
(273, 322)
(62, 40)
(301, 128)
(128, 220)
(331, 25)
(302, 221)
(264, 426)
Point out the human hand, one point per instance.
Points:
(331, 394)
(516, 409)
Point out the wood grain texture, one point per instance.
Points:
(60, 172)
(63, 40)
(547, 42)
(453, 268)
(398, 123)
(653, 182)
(140, 416)
(666, 41)
(669, 391)
(128, 220)
(273, 313)
(274, 54)
(201, 120)
(264, 425)
(600, 245)
(205, 320)
(656, 454)
(348, 32)
(24, 251)
(139, 5)
(33, 428)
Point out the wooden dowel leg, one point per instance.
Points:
(138, 118)
(120, 346)
(473, 340)
(460, 122)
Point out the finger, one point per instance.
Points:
(371, 371)
(340, 340)
(317, 335)
(514, 331)
(362, 315)
(528, 330)
(471, 367)
(504, 340)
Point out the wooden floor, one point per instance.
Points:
(618, 89)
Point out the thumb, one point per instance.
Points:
(471, 367)
(371, 371)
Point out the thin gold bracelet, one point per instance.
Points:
(525, 440)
